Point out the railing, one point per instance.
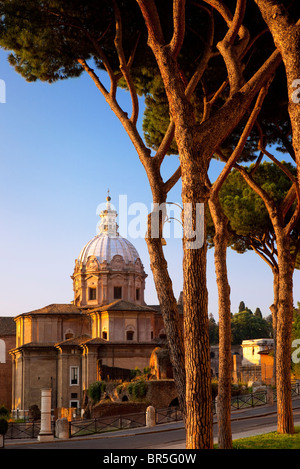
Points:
(20, 430)
(107, 424)
(113, 423)
(170, 414)
(249, 400)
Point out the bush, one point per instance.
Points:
(135, 373)
(3, 426)
(34, 412)
(4, 412)
(138, 389)
(96, 389)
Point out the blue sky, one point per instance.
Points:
(61, 148)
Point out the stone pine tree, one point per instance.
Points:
(54, 40)
(254, 226)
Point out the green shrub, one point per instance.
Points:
(140, 389)
(34, 412)
(4, 412)
(134, 373)
(3, 425)
(130, 388)
(96, 389)
(137, 389)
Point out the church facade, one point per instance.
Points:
(106, 331)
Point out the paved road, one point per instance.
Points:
(168, 436)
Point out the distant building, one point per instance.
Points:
(107, 330)
(257, 363)
(7, 342)
(252, 350)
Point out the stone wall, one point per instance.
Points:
(161, 393)
(7, 343)
(118, 408)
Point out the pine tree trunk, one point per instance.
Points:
(274, 310)
(170, 315)
(285, 422)
(199, 422)
(199, 419)
(225, 360)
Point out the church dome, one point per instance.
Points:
(108, 243)
(105, 247)
(108, 267)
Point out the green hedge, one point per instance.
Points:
(96, 389)
(138, 389)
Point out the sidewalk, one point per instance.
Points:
(241, 414)
(245, 414)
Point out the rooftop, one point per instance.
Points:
(7, 325)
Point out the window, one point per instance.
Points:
(129, 335)
(162, 334)
(74, 404)
(92, 293)
(117, 293)
(74, 375)
(69, 334)
(137, 294)
(104, 335)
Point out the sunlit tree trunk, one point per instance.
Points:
(285, 422)
(197, 351)
(274, 309)
(194, 166)
(169, 310)
(225, 360)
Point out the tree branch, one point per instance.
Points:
(233, 24)
(261, 192)
(179, 27)
(172, 180)
(206, 56)
(273, 264)
(190, 88)
(152, 20)
(123, 64)
(241, 144)
(236, 106)
(165, 143)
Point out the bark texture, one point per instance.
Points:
(285, 422)
(164, 288)
(286, 265)
(225, 364)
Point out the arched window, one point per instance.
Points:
(69, 334)
(162, 334)
(2, 351)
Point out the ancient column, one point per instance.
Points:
(45, 433)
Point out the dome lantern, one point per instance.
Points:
(108, 223)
